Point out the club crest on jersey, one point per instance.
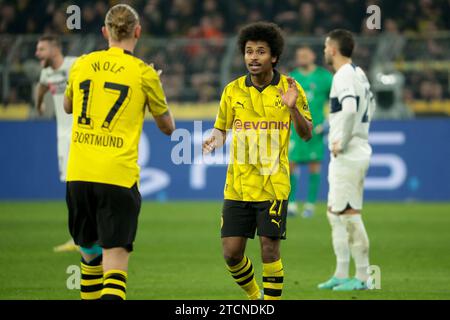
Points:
(278, 102)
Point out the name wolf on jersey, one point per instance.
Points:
(107, 66)
(97, 140)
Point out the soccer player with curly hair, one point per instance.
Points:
(258, 108)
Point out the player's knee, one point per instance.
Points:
(232, 255)
(233, 258)
(270, 251)
(337, 226)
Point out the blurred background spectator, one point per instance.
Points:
(188, 40)
(174, 18)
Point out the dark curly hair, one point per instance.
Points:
(263, 31)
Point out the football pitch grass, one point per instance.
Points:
(178, 253)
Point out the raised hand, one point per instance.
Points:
(289, 97)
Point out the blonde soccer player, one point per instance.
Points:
(108, 93)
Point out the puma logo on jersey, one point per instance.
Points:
(240, 104)
(276, 222)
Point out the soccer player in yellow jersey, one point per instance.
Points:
(107, 93)
(258, 108)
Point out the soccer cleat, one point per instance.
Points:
(332, 282)
(308, 211)
(292, 210)
(352, 284)
(67, 247)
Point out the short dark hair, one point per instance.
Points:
(263, 31)
(51, 38)
(345, 41)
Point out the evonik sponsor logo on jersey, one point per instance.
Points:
(261, 125)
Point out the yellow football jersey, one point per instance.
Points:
(109, 90)
(261, 124)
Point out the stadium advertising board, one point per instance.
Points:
(409, 162)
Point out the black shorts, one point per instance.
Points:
(243, 218)
(103, 213)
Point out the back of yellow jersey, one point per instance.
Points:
(109, 90)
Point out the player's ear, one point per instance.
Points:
(137, 31)
(334, 48)
(105, 32)
(274, 59)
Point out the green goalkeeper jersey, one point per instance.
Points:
(317, 86)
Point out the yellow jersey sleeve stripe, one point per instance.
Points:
(152, 87)
(225, 116)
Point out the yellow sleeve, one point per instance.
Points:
(153, 90)
(302, 103)
(72, 76)
(225, 116)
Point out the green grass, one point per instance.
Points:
(178, 254)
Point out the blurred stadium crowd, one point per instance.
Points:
(215, 18)
(196, 63)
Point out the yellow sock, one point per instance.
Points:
(273, 280)
(244, 275)
(114, 285)
(91, 279)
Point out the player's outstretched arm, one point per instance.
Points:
(302, 126)
(40, 93)
(216, 140)
(165, 123)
